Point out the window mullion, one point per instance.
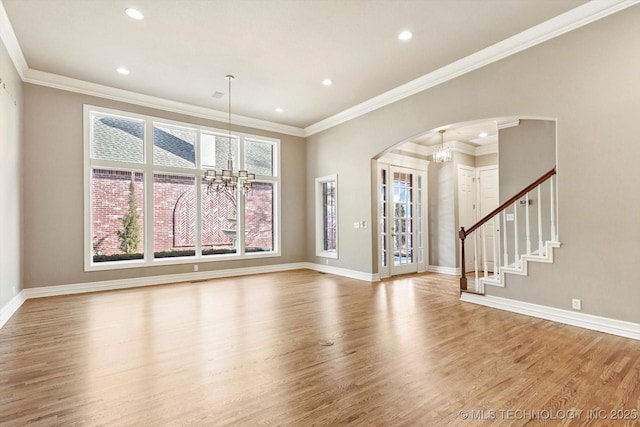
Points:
(198, 172)
(240, 197)
(240, 222)
(148, 192)
(276, 215)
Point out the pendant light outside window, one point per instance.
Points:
(228, 179)
(442, 154)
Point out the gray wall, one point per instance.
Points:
(487, 160)
(53, 191)
(444, 244)
(442, 179)
(10, 179)
(527, 152)
(586, 79)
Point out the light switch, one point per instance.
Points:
(510, 217)
(356, 225)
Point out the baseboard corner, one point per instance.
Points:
(452, 271)
(10, 308)
(338, 271)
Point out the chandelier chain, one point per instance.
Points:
(227, 179)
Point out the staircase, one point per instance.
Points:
(510, 250)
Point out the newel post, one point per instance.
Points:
(463, 274)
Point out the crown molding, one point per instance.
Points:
(415, 148)
(462, 147)
(554, 27)
(456, 146)
(508, 124)
(56, 81)
(404, 161)
(486, 149)
(80, 86)
(10, 41)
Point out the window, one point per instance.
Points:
(258, 218)
(174, 216)
(143, 202)
(117, 215)
(327, 216)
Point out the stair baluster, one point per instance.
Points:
(485, 266)
(527, 226)
(505, 260)
(495, 248)
(515, 229)
(554, 231)
(475, 263)
(519, 261)
(540, 251)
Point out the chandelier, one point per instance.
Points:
(442, 154)
(228, 179)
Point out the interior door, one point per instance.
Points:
(488, 201)
(467, 208)
(403, 222)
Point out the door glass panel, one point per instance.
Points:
(420, 220)
(403, 218)
(383, 219)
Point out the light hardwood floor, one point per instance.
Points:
(244, 351)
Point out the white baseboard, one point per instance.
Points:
(11, 307)
(582, 320)
(106, 285)
(444, 270)
(353, 274)
(48, 291)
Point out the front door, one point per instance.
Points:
(403, 222)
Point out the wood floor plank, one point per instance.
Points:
(245, 351)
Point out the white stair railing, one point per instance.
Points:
(493, 269)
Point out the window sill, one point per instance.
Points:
(118, 265)
(327, 254)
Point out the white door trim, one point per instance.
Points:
(419, 169)
(469, 264)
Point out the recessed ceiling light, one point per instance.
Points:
(327, 82)
(134, 13)
(123, 70)
(483, 135)
(279, 110)
(405, 35)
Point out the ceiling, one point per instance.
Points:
(474, 133)
(278, 50)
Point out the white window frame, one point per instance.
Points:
(320, 218)
(148, 169)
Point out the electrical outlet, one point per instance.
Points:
(195, 267)
(576, 304)
(326, 262)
